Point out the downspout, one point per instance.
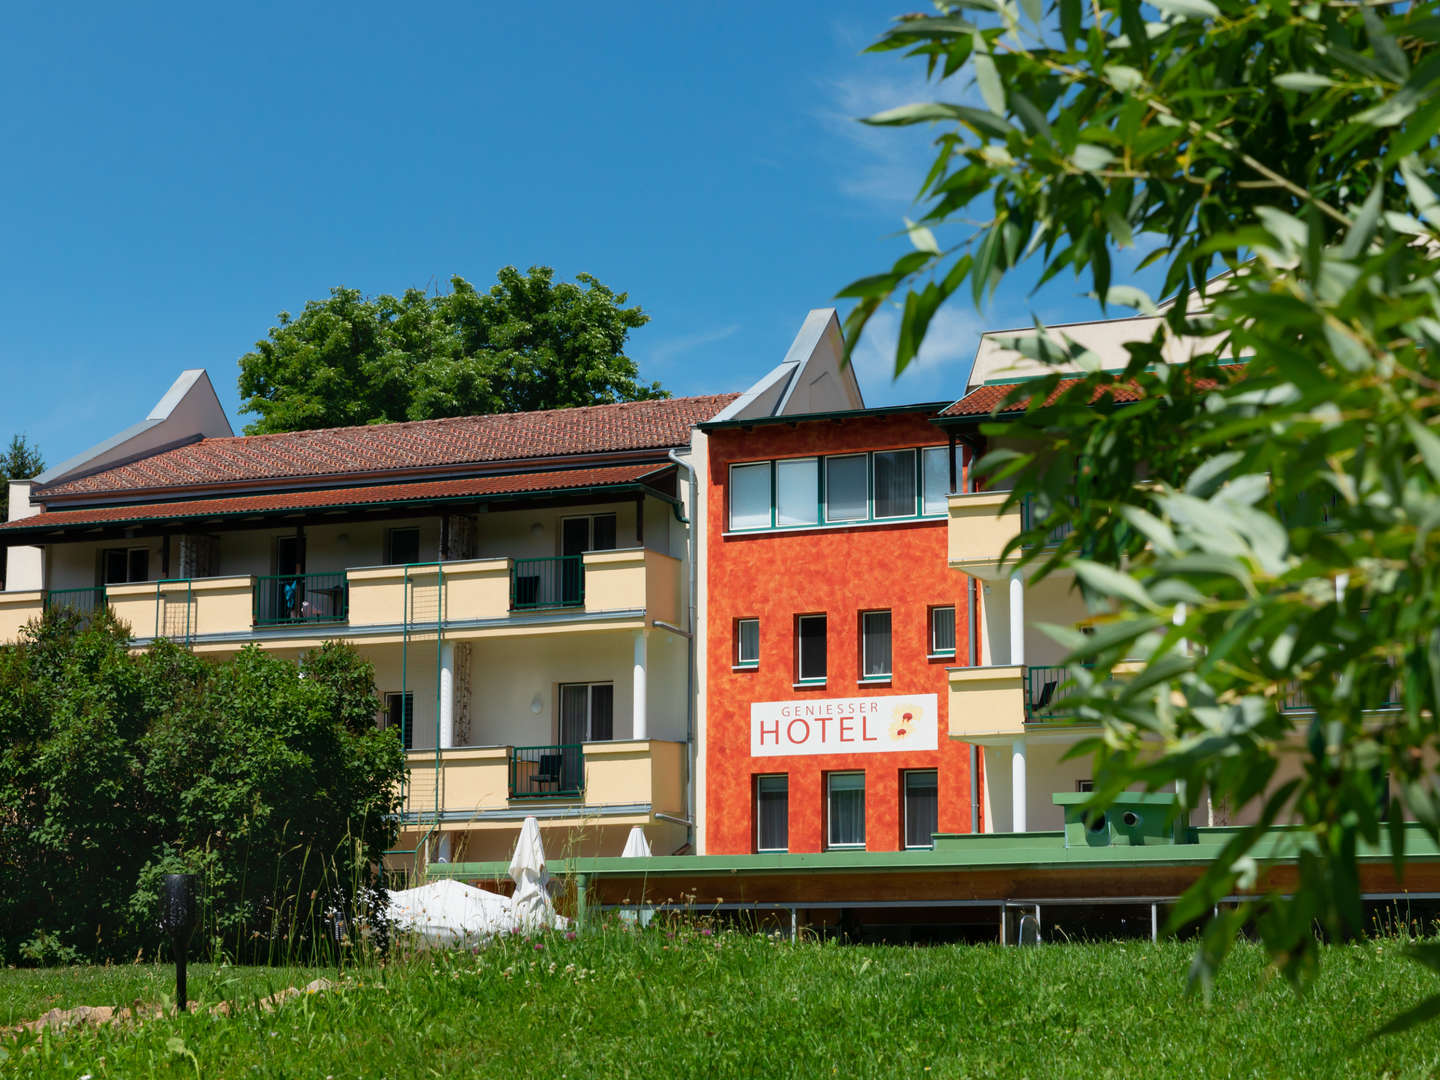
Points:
(690, 669)
(974, 658)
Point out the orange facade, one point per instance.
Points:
(839, 571)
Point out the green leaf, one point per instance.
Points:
(922, 238)
(1188, 9)
(1303, 81)
(1111, 582)
(1090, 158)
(1034, 10)
(987, 78)
(1427, 1010)
(1427, 443)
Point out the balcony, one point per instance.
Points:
(504, 779)
(292, 599)
(980, 529)
(631, 584)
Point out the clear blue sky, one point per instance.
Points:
(178, 174)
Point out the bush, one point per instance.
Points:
(266, 778)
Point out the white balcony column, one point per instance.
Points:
(447, 695)
(1017, 618)
(1342, 580)
(1017, 785)
(640, 728)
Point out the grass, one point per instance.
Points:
(615, 1004)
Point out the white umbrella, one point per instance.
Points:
(530, 905)
(447, 912)
(636, 846)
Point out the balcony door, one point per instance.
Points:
(283, 600)
(593, 532)
(587, 714)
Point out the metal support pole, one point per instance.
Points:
(1154, 922)
(581, 882)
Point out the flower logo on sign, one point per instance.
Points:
(905, 718)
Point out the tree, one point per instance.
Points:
(266, 778)
(1286, 546)
(20, 462)
(526, 344)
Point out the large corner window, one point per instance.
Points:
(942, 631)
(772, 813)
(845, 810)
(875, 649)
(399, 716)
(922, 807)
(810, 648)
(747, 643)
(750, 501)
(862, 488)
(894, 483)
(797, 491)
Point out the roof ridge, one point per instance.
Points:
(392, 424)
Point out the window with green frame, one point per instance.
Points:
(840, 489)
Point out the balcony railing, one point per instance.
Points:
(539, 772)
(1044, 699)
(282, 599)
(83, 602)
(543, 583)
(1294, 699)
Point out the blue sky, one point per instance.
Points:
(181, 173)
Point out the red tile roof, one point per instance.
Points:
(337, 497)
(983, 400)
(590, 429)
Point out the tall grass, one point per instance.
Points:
(696, 1000)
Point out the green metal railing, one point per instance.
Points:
(83, 602)
(301, 598)
(539, 772)
(1044, 699)
(542, 583)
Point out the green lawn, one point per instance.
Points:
(611, 1004)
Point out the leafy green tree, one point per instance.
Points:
(527, 343)
(268, 779)
(20, 462)
(1286, 552)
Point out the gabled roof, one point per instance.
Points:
(983, 400)
(555, 481)
(337, 452)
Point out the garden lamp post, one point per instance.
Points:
(178, 915)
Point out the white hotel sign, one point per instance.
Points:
(874, 725)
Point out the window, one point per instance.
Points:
(936, 478)
(875, 644)
(797, 492)
(845, 809)
(747, 643)
(750, 496)
(772, 813)
(402, 547)
(399, 714)
(587, 712)
(119, 565)
(1084, 786)
(810, 648)
(942, 631)
(592, 532)
(922, 807)
(847, 498)
(895, 484)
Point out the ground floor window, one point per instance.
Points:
(922, 807)
(772, 813)
(845, 809)
(399, 716)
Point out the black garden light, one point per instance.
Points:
(179, 913)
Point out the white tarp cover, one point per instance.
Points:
(636, 846)
(449, 912)
(531, 905)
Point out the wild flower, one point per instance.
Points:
(569, 935)
(539, 947)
